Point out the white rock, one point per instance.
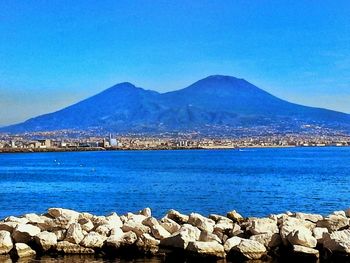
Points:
(86, 224)
(234, 216)
(206, 249)
(250, 249)
(135, 218)
(318, 233)
(8, 226)
(231, 243)
(334, 222)
(25, 233)
(19, 220)
(201, 222)
(148, 244)
(5, 242)
(117, 241)
(46, 240)
(269, 240)
(310, 217)
(303, 237)
(192, 231)
(306, 251)
(136, 227)
(23, 250)
(146, 212)
(74, 234)
(61, 212)
(208, 237)
(177, 216)
(70, 248)
(177, 240)
(93, 240)
(262, 225)
(338, 241)
(169, 225)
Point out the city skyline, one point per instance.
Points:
(55, 54)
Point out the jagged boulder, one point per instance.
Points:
(258, 226)
(269, 240)
(74, 234)
(148, 244)
(93, 240)
(235, 216)
(201, 222)
(70, 248)
(306, 252)
(338, 241)
(314, 218)
(86, 224)
(46, 240)
(25, 233)
(63, 217)
(178, 240)
(206, 236)
(138, 228)
(147, 212)
(118, 241)
(177, 216)
(318, 233)
(5, 242)
(334, 222)
(231, 243)
(303, 237)
(249, 249)
(15, 219)
(8, 226)
(23, 250)
(206, 249)
(169, 225)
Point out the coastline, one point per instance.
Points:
(94, 149)
(297, 236)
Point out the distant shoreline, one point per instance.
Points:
(95, 149)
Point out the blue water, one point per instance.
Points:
(255, 182)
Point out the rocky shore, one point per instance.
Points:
(292, 236)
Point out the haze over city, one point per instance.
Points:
(56, 53)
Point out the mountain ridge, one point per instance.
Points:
(217, 103)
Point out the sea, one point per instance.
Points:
(254, 181)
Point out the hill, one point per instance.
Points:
(217, 104)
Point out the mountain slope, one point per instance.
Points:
(216, 104)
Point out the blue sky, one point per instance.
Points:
(54, 53)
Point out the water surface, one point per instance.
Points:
(256, 182)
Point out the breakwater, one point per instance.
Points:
(230, 237)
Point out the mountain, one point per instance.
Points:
(217, 104)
